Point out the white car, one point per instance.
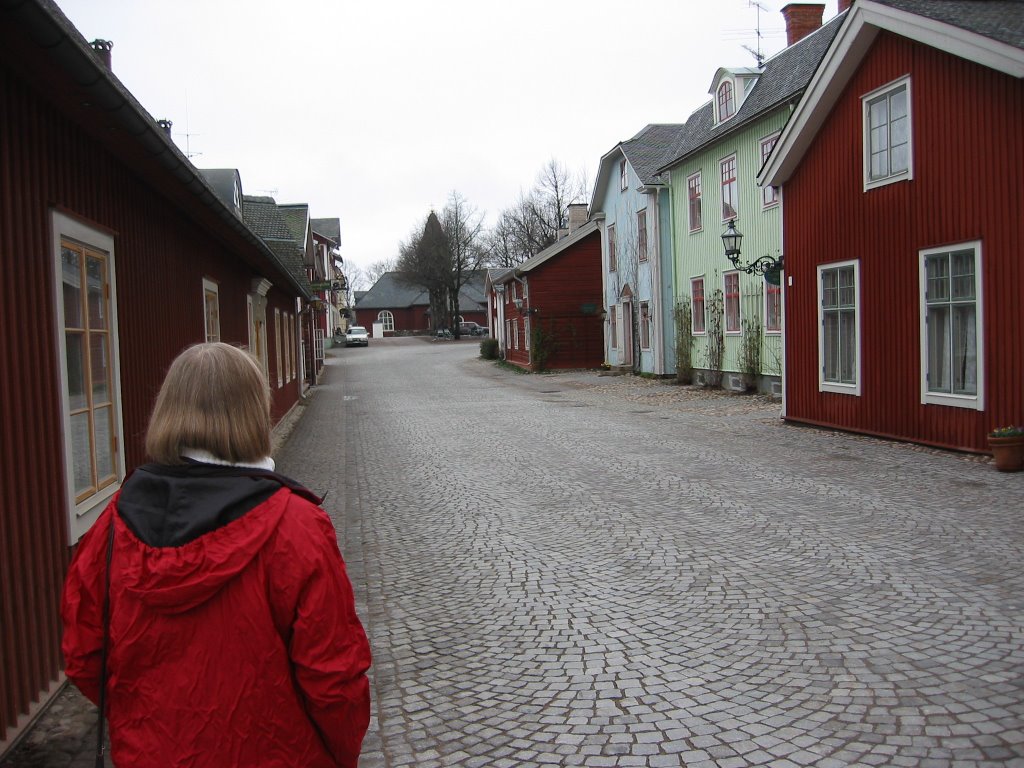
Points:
(356, 336)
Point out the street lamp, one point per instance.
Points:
(763, 265)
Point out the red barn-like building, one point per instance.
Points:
(116, 254)
(553, 299)
(903, 230)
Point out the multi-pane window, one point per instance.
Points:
(387, 319)
(838, 297)
(699, 318)
(772, 308)
(611, 249)
(726, 101)
(515, 335)
(290, 346)
(526, 333)
(211, 310)
(89, 370)
(732, 302)
(623, 175)
(730, 188)
(887, 134)
(952, 340)
(693, 194)
(769, 194)
(645, 325)
(641, 235)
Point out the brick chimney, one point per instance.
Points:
(844, 5)
(801, 20)
(102, 50)
(577, 216)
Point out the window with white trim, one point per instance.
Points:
(211, 310)
(641, 235)
(769, 194)
(645, 325)
(611, 248)
(87, 348)
(615, 326)
(951, 337)
(526, 333)
(278, 348)
(697, 309)
(730, 187)
(839, 328)
(887, 134)
(693, 196)
(726, 100)
(387, 319)
(290, 345)
(623, 176)
(731, 297)
(772, 308)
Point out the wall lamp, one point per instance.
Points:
(763, 265)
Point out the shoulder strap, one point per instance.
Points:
(106, 643)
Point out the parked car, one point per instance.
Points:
(356, 336)
(470, 328)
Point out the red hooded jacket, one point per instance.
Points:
(233, 634)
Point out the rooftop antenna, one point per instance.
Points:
(757, 54)
(188, 136)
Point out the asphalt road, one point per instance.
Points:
(580, 570)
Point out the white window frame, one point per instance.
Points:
(613, 342)
(82, 514)
(641, 234)
(837, 386)
(613, 257)
(515, 335)
(866, 100)
(769, 194)
(738, 330)
(209, 286)
(278, 348)
(387, 319)
(623, 176)
(703, 306)
(734, 98)
(695, 177)
(735, 185)
(526, 333)
(977, 401)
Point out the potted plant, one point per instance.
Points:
(1007, 444)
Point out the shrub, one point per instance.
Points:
(489, 349)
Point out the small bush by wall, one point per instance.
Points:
(489, 349)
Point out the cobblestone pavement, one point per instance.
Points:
(579, 570)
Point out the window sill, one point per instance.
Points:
(839, 389)
(970, 402)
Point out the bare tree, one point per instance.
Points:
(463, 229)
(378, 268)
(537, 217)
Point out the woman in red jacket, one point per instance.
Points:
(233, 637)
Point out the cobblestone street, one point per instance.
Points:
(607, 571)
(583, 570)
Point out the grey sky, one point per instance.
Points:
(374, 111)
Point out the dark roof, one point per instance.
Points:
(296, 216)
(392, 292)
(264, 217)
(783, 78)
(222, 181)
(1000, 20)
(328, 228)
(649, 149)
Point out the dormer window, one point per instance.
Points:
(623, 177)
(726, 101)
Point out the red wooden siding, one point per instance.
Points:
(161, 257)
(968, 159)
(558, 290)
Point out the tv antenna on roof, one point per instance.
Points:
(758, 54)
(188, 135)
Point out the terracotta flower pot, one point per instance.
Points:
(1008, 453)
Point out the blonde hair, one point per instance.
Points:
(215, 398)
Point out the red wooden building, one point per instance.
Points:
(552, 299)
(903, 230)
(399, 307)
(116, 254)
